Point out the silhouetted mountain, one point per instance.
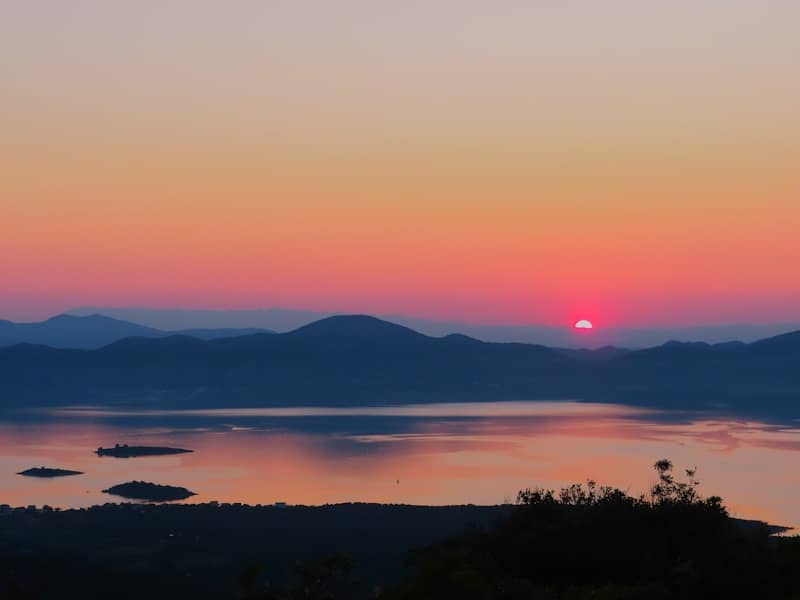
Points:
(350, 360)
(603, 353)
(355, 329)
(171, 319)
(94, 331)
(213, 334)
(67, 331)
(786, 343)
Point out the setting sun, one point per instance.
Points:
(584, 324)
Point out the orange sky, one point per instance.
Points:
(494, 162)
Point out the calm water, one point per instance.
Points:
(431, 454)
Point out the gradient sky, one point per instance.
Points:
(632, 162)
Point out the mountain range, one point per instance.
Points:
(354, 360)
(284, 319)
(95, 331)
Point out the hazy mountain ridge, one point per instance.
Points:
(95, 331)
(363, 360)
(69, 331)
(284, 320)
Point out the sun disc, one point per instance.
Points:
(584, 324)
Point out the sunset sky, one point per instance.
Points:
(630, 162)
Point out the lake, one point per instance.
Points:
(481, 453)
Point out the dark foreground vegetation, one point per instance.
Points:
(600, 543)
(585, 541)
(201, 551)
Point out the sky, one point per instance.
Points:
(630, 162)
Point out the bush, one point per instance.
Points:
(590, 541)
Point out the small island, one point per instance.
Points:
(46, 472)
(153, 492)
(125, 451)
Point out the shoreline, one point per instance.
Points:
(8, 510)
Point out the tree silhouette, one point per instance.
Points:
(599, 542)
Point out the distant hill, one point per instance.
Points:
(352, 360)
(276, 319)
(213, 334)
(67, 331)
(95, 331)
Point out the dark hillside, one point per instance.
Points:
(361, 360)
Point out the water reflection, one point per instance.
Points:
(434, 454)
(451, 409)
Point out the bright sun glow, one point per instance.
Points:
(584, 324)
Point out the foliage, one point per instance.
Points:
(590, 541)
(327, 578)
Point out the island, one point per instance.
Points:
(153, 492)
(125, 451)
(46, 472)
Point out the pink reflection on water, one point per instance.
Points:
(436, 459)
